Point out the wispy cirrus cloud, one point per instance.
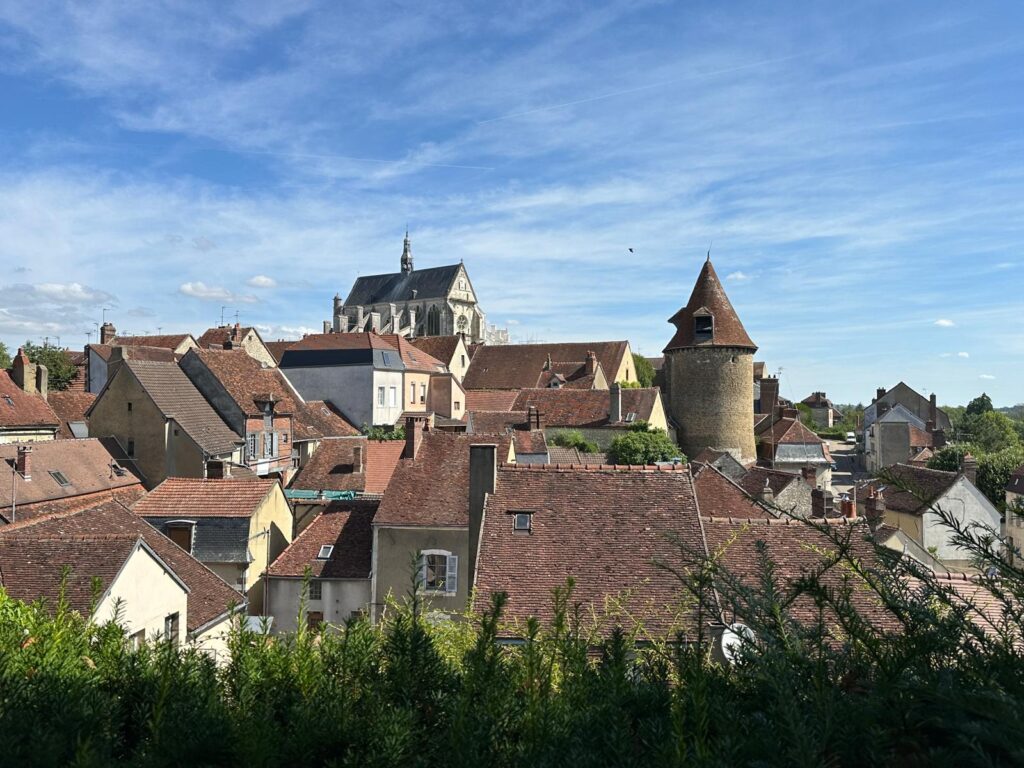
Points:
(943, 322)
(200, 290)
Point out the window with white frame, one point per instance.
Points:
(316, 590)
(439, 571)
(380, 395)
(394, 396)
(423, 393)
(326, 550)
(522, 521)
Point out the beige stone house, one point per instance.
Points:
(235, 336)
(162, 422)
(235, 527)
(453, 351)
(25, 415)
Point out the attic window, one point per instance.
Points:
(325, 551)
(703, 328)
(60, 478)
(630, 417)
(522, 521)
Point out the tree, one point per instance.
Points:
(645, 372)
(992, 431)
(5, 356)
(573, 438)
(643, 447)
(383, 433)
(994, 472)
(981, 404)
(949, 458)
(60, 369)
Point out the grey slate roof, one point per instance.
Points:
(398, 286)
(177, 398)
(215, 539)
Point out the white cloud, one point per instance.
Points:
(261, 281)
(200, 290)
(986, 376)
(737, 276)
(963, 354)
(75, 293)
(942, 322)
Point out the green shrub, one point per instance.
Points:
(643, 444)
(573, 438)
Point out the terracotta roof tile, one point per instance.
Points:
(209, 596)
(331, 467)
(19, 408)
(604, 528)
(718, 496)
(70, 407)
(414, 358)
(163, 341)
(521, 366)
(754, 480)
(529, 441)
(490, 399)
(344, 525)
(493, 422)
(245, 379)
(708, 294)
(216, 338)
(441, 347)
(584, 408)
(909, 489)
(433, 488)
(278, 348)
(202, 497)
(558, 454)
(317, 419)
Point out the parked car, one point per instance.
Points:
(851, 438)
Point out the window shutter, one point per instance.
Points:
(421, 581)
(451, 580)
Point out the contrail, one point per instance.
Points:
(696, 76)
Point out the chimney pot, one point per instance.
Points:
(107, 333)
(769, 394)
(969, 467)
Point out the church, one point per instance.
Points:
(438, 301)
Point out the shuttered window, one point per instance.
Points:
(439, 572)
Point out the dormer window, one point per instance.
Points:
(326, 550)
(703, 328)
(522, 521)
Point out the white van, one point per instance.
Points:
(851, 438)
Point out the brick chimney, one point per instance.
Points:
(766, 495)
(23, 371)
(107, 333)
(42, 381)
(216, 469)
(534, 418)
(969, 467)
(879, 394)
(769, 394)
(615, 403)
(415, 426)
(821, 503)
(874, 507)
(933, 410)
(357, 459)
(790, 413)
(483, 475)
(810, 475)
(591, 363)
(23, 462)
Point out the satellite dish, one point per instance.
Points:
(732, 641)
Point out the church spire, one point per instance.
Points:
(407, 253)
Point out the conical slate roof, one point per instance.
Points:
(709, 297)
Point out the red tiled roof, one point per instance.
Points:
(414, 358)
(70, 406)
(202, 497)
(19, 408)
(493, 422)
(85, 465)
(753, 481)
(919, 438)
(906, 488)
(278, 348)
(795, 547)
(245, 379)
(441, 347)
(708, 294)
(317, 419)
(331, 467)
(788, 430)
(1016, 482)
(344, 525)
(529, 441)
(521, 366)
(164, 341)
(209, 596)
(558, 454)
(341, 341)
(216, 338)
(433, 488)
(584, 408)
(490, 399)
(718, 496)
(604, 528)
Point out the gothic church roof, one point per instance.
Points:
(708, 294)
(433, 283)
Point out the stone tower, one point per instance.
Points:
(709, 367)
(406, 254)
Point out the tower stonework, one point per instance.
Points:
(709, 367)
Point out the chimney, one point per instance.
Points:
(23, 462)
(939, 438)
(821, 503)
(217, 469)
(879, 394)
(228, 344)
(591, 363)
(483, 474)
(42, 380)
(848, 508)
(766, 495)
(874, 507)
(107, 333)
(357, 459)
(790, 413)
(969, 467)
(23, 371)
(615, 406)
(414, 428)
(769, 394)
(810, 475)
(929, 426)
(933, 409)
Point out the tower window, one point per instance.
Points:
(703, 328)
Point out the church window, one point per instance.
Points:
(434, 321)
(463, 323)
(703, 328)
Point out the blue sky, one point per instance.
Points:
(857, 168)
